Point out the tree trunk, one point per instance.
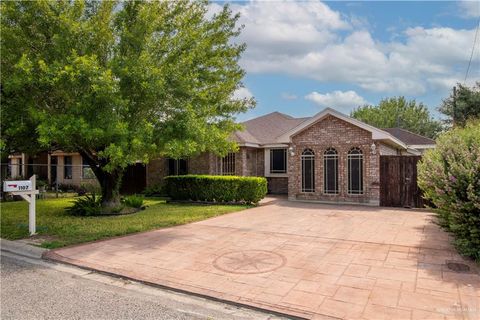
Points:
(110, 184)
(110, 181)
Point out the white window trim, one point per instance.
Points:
(267, 172)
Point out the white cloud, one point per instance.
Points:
(288, 96)
(340, 100)
(242, 93)
(469, 9)
(309, 39)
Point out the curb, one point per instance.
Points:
(22, 249)
(52, 256)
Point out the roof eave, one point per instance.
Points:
(377, 134)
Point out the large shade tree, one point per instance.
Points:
(402, 113)
(119, 82)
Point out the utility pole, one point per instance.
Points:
(454, 113)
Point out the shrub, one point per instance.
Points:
(89, 205)
(450, 177)
(216, 188)
(66, 187)
(155, 190)
(91, 187)
(133, 201)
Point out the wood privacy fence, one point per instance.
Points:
(398, 182)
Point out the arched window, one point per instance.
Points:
(308, 171)
(355, 171)
(330, 171)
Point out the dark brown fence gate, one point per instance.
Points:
(398, 182)
(134, 179)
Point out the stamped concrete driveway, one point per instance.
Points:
(306, 260)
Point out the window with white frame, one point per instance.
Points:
(228, 164)
(308, 171)
(67, 167)
(87, 172)
(355, 171)
(278, 160)
(330, 171)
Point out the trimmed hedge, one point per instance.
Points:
(216, 188)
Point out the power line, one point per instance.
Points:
(473, 50)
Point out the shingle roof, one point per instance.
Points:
(267, 128)
(270, 128)
(409, 138)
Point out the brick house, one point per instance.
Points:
(327, 157)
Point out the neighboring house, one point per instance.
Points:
(327, 157)
(55, 167)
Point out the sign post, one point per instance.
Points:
(27, 190)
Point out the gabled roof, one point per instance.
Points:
(277, 128)
(409, 138)
(266, 129)
(377, 134)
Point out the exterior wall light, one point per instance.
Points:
(374, 148)
(292, 151)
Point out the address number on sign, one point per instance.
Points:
(22, 185)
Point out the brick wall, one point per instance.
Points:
(201, 164)
(385, 150)
(254, 162)
(248, 162)
(156, 170)
(332, 132)
(277, 185)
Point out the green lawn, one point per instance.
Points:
(63, 229)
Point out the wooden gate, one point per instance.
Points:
(398, 182)
(134, 179)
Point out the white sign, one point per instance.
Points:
(22, 185)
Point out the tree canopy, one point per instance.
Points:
(398, 112)
(462, 105)
(119, 82)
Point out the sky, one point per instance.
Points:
(303, 56)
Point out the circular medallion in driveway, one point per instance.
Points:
(249, 261)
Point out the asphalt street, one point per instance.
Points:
(31, 291)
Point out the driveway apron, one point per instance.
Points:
(307, 260)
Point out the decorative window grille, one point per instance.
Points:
(228, 165)
(330, 171)
(67, 167)
(177, 167)
(278, 160)
(355, 171)
(308, 171)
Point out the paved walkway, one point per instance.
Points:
(307, 260)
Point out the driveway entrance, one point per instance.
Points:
(305, 260)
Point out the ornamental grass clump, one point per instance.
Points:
(449, 175)
(133, 201)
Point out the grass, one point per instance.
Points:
(62, 229)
